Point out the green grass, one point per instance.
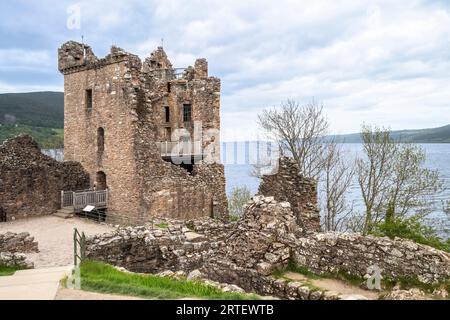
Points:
(100, 277)
(162, 225)
(7, 271)
(386, 283)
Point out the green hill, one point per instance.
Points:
(36, 109)
(40, 114)
(431, 135)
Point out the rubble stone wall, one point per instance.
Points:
(353, 253)
(266, 238)
(17, 242)
(31, 182)
(288, 184)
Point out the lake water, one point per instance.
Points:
(238, 158)
(237, 173)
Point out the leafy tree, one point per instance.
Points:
(393, 179)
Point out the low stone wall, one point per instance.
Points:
(148, 249)
(353, 253)
(17, 242)
(16, 260)
(245, 253)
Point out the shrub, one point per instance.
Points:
(410, 228)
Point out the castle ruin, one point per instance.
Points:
(145, 131)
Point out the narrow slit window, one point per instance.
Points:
(167, 114)
(89, 99)
(187, 113)
(100, 140)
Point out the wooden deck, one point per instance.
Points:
(78, 200)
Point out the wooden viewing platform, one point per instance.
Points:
(78, 200)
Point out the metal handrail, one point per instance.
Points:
(79, 240)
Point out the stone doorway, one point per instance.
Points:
(100, 181)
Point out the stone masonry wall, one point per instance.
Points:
(13, 247)
(289, 185)
(17, 242)
(353, 253)
(31, 182)
(267, 237)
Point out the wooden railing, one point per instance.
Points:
(80, 199)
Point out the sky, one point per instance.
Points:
(377, 62)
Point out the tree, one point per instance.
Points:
(299, 132)
(238, 198)
(337, 177)
(393, 180)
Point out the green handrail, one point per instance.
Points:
(79, 240)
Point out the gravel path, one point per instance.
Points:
(55, 237)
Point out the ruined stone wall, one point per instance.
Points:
(266, 238)
(353, 253)
(13, 247)
(17, 242)
(288, 184)
(31, 182)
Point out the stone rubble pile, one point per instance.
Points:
(13, 247)
(17, 242)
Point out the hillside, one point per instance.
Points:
(431, 135)
(40, 114)
(36, 109)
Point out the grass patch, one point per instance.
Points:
(162, 225)
(406, 283)
(7, 271)
(293, 267)
(100, 277)
(386, 283)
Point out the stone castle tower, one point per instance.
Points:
(145, 131)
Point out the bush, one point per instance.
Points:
(410, 228)
(238, 198)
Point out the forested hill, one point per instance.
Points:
(40, 114)
(36, 109)
(431, 135)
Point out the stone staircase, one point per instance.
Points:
(65, 213)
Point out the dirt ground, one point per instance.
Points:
(335, 285)
(55, 237)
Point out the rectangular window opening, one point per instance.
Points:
(187, 113)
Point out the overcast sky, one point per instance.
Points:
(381, 62)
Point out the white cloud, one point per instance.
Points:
(377, 61)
